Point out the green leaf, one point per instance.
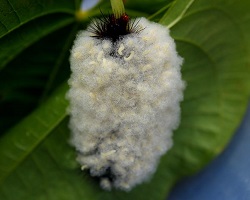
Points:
(18, 40)
(28, 80)
(45, 30)
(17, 13)
(214, 40)
(14, 148)
(213, 37)
(176, 12)
(24, 22)
(146, 5)
(135, 8)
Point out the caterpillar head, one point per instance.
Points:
(112, 28)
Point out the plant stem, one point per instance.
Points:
(117, 7)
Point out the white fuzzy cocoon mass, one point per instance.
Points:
(124, 103)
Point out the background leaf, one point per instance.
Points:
(212, 36)
(24, 22)
(24, 64)
(135, 8)
(16, 147)
(217, 73)
(146, 5)
(27, 80)
(175, 13)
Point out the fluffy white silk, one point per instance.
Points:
(124, 103)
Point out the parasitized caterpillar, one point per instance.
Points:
(125, 91)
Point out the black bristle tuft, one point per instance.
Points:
(109, 27)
